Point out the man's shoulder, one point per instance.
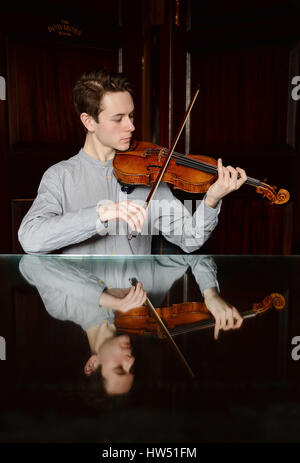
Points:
(67, 165)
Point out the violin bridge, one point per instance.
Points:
(160, 154)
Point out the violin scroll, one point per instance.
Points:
(280, 197)
(275, 300)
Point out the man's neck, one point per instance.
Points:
(97, 335)
(96, 150)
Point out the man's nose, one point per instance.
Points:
(128, 362)
(129, 125)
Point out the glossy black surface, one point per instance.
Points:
(246, 387)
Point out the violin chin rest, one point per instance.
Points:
(126, 188)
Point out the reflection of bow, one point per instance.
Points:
(134, 281)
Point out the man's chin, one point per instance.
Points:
(124, 146)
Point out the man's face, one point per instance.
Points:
(116, 360)
(115, 127)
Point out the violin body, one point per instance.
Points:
(141, 321)
(142, 165)
(193, 173)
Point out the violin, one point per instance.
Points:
(193, 173)
(183, 318)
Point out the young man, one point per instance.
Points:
(80, 208)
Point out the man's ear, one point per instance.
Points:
(88, 121)
(91, 365)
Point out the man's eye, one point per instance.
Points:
(119, 370)
(118, 120)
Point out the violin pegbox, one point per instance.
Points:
(275, 300)
(270, 192)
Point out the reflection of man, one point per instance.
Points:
(71, 290)
(112, 355)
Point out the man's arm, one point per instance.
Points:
(46, 227)
(177, 224)
(205, 272)
(68, 291)
(191, 232)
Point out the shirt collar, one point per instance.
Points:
(95, 162)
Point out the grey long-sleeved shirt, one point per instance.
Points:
(71, 287)
(64, 215)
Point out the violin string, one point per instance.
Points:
(201, 165)
(191, 162)
(181, 329)
(192, 327)
(210, 169)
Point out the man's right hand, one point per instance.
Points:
(129, 211)
(124, 299)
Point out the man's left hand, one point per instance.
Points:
(227, 182)
(226, 316)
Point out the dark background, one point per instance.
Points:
(243, 54)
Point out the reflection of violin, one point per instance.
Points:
(184, 317)
(193, 173)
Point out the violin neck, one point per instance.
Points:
(252, 181)
(204, 324)
(210, 169)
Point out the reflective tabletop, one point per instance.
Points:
(73, 370)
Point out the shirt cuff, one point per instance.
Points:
(213, 211)
(101, 225)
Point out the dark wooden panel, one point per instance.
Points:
(4, 229)
(222, 24)
(19, 207)
(243, 99)
(34, 329)
(40, 79)
(251, 227)
(61, 21)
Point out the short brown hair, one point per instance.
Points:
(93, 85)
